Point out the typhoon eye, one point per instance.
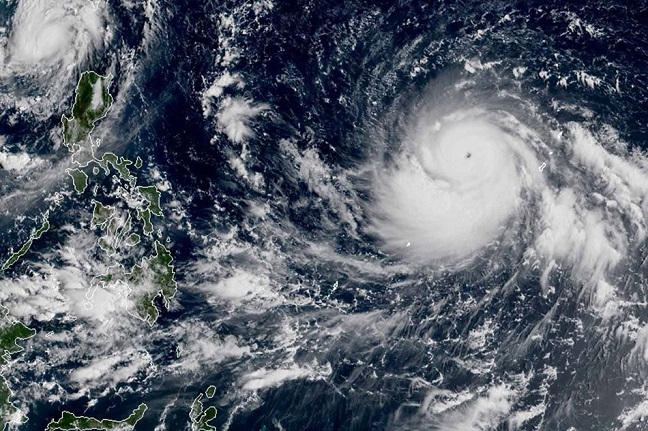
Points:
(49, 43)
(46, 32)
(456, 188)
(323, 215)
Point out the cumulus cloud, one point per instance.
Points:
(69, 288)
(578, 237)
(199, 345)
(108, 371)
(593, 224)
(640, 349)
(263, 378)
(19, 163)
(215, 91)
(325, 182)
(465, 411)
(234, 118)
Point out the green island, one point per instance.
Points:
(200, 417)
(155, 277)
(153, 280)
(8, 411)
(152, 196)
(91, 103)
(79, 179)
(116, 232)
(27, 245)
(11, 331)
(70, 421)
(101, 214)
(210, 391)
(145, 217)
(132, 240)
(149, 281)
(120, 164)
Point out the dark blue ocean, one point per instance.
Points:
(334, 331)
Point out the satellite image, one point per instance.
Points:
(296, 215)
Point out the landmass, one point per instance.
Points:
(152, 196)
(27, 245)
(145, 217)
(132, 240)
(70, 421)
(153, 279)
(91, 103)
(125, 222)
(101, 214)
(200, 417)
(116, 233)
(148, 282)
(79, 179)
(210, 391)
(11, 331)
(120, 164)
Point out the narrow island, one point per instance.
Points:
(27, 245)
(70, 421)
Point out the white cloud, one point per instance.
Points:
(634, 417)
(325, 182)
(452, 191)
(593, 225)
(264, 378)
(469, 412)
(578, 237)
(234, 118)
(641, 343)
(215, 91)
(117, 368)
(242, 285)
(199, 345)
(45, 32)
(19, 163)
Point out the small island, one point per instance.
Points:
(201, 416)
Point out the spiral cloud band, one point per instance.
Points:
(454, 187)
(463, 182)
(48, 34)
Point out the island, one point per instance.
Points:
(153, 279)
(79, 179)
(152, 196)
(126, 221)
(120, 164)
(91, 103)
(11, 331)
(70, 421)
(150, 281)
(201, 416)
(45, 226)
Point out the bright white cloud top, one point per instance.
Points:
(472, 178)
(453, 188)
(46, 32)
